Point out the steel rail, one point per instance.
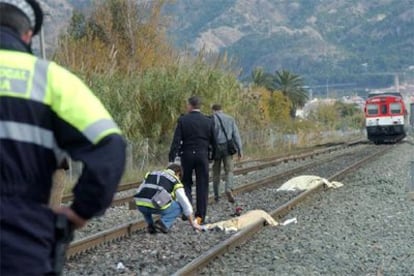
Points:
(123, 200)
(267, 162)
(195, 266)
(129, 228)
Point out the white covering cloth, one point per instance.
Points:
(307, 182)
(243, 221)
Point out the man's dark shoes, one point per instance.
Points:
(230, 197)
(216, 198)
(159, 225)
(151, 229)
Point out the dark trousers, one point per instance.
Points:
(198, 161)
(27, 237)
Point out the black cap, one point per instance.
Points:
(31, 9)
(38, 15)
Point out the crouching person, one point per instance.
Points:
(162, 193)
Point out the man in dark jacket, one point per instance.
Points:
(46, 113)
(193, 136)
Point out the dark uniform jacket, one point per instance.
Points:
(194, 132)
(152, 183)
(45, 113)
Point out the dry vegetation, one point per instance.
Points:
(122, 52)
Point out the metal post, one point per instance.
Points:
(411, 181)
(42, 43)
(42, 37)
(397, 82)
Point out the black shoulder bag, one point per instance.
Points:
(230, 145)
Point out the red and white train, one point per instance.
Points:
(386, 118)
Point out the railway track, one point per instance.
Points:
(195, 266)
(127, 229)
(264, 163)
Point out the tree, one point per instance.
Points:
(117, 37)
(262, 78)
(291, 85)
(279, 108)
(326, 115)
(337, 116)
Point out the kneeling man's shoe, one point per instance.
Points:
(151, 229)
(159, 225)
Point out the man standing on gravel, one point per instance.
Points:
(225, 129)
(193, 136)
(47, 112)
(163, 193)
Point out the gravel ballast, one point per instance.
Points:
(364, 228)
(143, 254)
(118, 215)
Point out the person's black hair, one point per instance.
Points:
(14, 19)
(175, 168)
(195, 102)
(216, 107)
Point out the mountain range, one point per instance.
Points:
(335, 41)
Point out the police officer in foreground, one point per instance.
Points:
(193, 136)
(162, 193)
(45, 113)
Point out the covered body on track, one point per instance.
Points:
(385, 118)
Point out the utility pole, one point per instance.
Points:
(42, 43)
(42, 39)
(397, 82)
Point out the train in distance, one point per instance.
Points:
(386, 117)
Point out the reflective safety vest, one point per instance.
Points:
(151, 184)
(26, 77)
(45, 111)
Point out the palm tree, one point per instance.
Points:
(291, 85)
(262, 78)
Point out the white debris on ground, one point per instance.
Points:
(289, 221)
(307, 182)
(241, 222)
(120, 266)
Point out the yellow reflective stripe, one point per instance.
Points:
(25, 76)
(39, 80)
(177, 186)
(19, 77)
(143, 200)
(147, 203)
(144, 204)
(75, 103)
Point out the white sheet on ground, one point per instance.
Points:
(307, 182)
(243, 221)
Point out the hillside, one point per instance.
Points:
(335, 41)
